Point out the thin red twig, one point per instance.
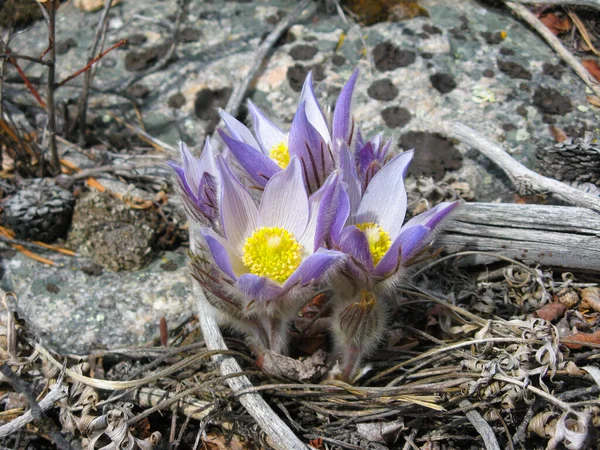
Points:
(89, 65)
(30, 86)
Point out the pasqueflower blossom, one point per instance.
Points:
(270, 254)
(198, 179)
(380, 250)
(310, 138)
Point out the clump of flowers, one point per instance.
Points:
(285, 215)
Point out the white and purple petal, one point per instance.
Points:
(226, 257)
(313, 268)
(350, 178)
(314, 113)
(341, 123)
(306, 143)
(267, 133)
(260, 289)
(260, 167)
(239, 215)
(284, 201)
(432, 218)
(384, 201)
(238, 130)
(354, 243)
(329, 209)
(404, 245)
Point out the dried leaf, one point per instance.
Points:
(551, 311)
(583, 30)
(584, 338)
(556, 24)
(593, 100)
(219, 442)
(384, 432)
(590, 298)
(567, 297)
(304, 370)
(592, 67)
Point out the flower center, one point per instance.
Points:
(280, 154)
(378, 239)
(272, 252)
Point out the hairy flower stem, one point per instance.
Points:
(357, 329)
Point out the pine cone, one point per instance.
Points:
(572, 160)
(40, 210)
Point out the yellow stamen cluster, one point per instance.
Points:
(272, 252)
(280, 154)
(378, 239)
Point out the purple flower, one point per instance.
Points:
(271, 253)
(370, 157)
(310, 138)
(198, 179)
(374, 235)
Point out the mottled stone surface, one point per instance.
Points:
(75, 311)
(507, 102)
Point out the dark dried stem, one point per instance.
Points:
(241, 89)
(26, 57)
(51, 87)
(161, 63)
(87, 81)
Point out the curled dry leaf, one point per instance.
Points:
(592, 67)
(567, 297)
(305, 370)
(590, 298)
(543, 424)
(551, 311)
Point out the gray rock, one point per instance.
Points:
(74, 312)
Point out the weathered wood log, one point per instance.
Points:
(563, 237)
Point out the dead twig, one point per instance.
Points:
(556, 45)
(89, 65)
(525, 180)
(161, 63)
(482, 427)
(239, 92)
(47, 426)
(590, 3)
(87, 81)
(57, 392)
(51, 86)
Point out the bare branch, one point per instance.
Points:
(525, 180)
(556, 45)
(590, 3)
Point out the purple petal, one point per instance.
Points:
(260, 167)
(404, 244)
(384, 201)
(260, 289)
(359, 143)
(350, 178)
(313, 267)
(238, 130)
(191, 168)
(340, 127)
(329, 210)
(284, 201)
(364, 158)
(267, 133)
(218, 252)
(306, 143)
(414, 239)
(314, 114)
(383, 151)
(432, 218)
(239, 215)
(354, 242)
